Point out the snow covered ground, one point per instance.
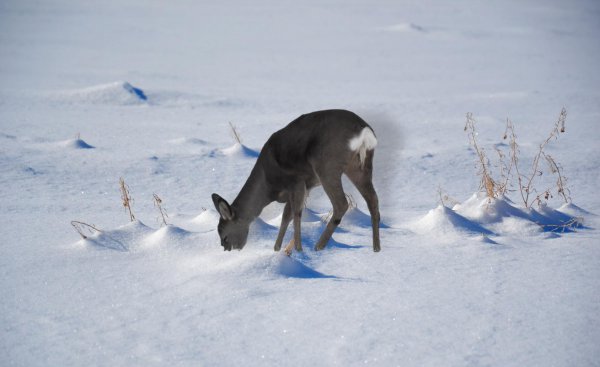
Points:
(144, 90)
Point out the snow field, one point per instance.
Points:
(443, 291)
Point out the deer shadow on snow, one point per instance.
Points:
(299, 264)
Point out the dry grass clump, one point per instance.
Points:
(126, 198)
(158, 204)
(510, 169)
(445, 199)
(235, 133)
(351, 205)
(83, 228)
(484, 172)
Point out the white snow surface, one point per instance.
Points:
(91, 91)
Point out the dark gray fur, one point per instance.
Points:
(312, 150)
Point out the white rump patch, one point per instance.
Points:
(364, 141)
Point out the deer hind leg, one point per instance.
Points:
(286, 218)
(332, 185)
(362, 178)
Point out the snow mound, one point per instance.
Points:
(287, 266)
(261, 228)
(552, 220)
(517, 226)
(405, 28)
(485, 239)
(116, 93)
(443, 219)
(237, 151)
(77, 143)
(308, 216)
(207, 220)
(254, 261)
(575, 211)
(169, 235)
(187, 141)
(310, 233)
(136, 236)
(358, 218)
(334, 244)
(125, 238)
(485, 210)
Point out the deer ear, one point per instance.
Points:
(222, 207)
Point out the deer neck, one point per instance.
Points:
(253, 197)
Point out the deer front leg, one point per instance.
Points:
(286, 217)
(297, 203)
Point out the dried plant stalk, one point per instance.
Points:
(126, 198)
(83, 228)
(570, 225)
(561, 181)
(513, 151)
(526, 182)
(235, 133)
(505, 170)
(158, 204)
(445, 199)
(487, 182)
(351, 202)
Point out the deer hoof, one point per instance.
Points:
(289, 247)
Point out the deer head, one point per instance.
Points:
(232, 230)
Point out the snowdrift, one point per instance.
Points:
(205, 221)
(405, 28)
(77, 143)
(170, 236)
(489, 216)
(116, 93)
(235, 151)
(444, 220)
(490, 211)
(137, 237)
(575, 211)
(125, 238)
(355, 217)
(308, 216)
(188, 142)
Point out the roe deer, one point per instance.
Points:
(314, 149)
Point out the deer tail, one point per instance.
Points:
(363, 142)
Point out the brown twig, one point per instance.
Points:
(158, 204)
(126, 197)
(82, 227)
(487, 182)
(571, 224)
(561, 181)
(235, 133)
(527, 188)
